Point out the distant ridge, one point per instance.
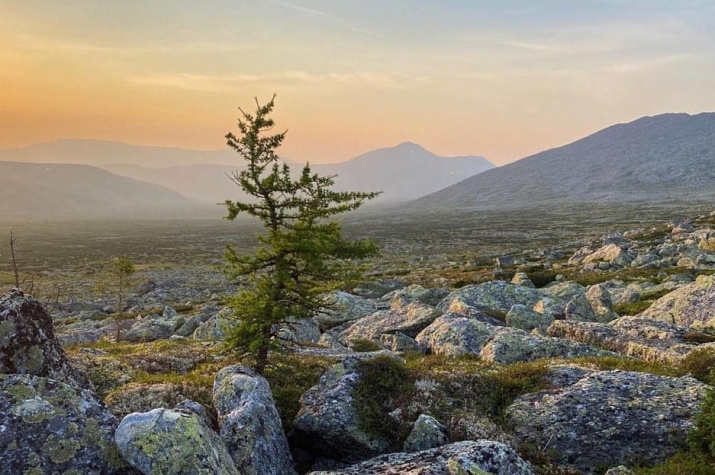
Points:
(67, 191)
(665, 157)
(403, 173)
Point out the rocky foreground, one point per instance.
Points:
(606, 364)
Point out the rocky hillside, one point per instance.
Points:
(57, 191)
(666, 157)
(602, 357)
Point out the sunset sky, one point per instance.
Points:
(502, 79)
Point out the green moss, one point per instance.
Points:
(30, 359)
(702, 437)
(701, 364)
(384, 381)
(34, 471)
(684, 463)
(289, 377)
(362, 345)
(60, 450)
(610, 363)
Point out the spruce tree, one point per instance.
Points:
(302, 252)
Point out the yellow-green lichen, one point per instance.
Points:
(20, 392)
(30, 359)
(6, 329)
(455, 467)
(34, 471)
(60, 450)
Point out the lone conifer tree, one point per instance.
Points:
(301, 254)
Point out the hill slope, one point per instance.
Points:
(665, 157)
(54, 191)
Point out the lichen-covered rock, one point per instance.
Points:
(327, 424)
(168, 442)
(692, 303)
(460, 458)
(154, 328)
(613, 254)
(85, 331)
(427, 433)
(400, 343)
(418, 293)
(644, 338)
(510, 345)
(620, 470)
(609, 417)
(600, 300)
(341, 307)
(409, 319)
(48, 426)
(378, 288)
(520, 278)
(490, 297)
(28, 344)
(214, 328)
(249, 423)
(524, 318)
(454, 334)
(568, 300)
(139, 397)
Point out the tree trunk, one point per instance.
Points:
(14, 262)
(262, 355)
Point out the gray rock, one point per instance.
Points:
(249, 423)
(418, 293)
(609, 417)
(48, 426)
(409, 319)
(519, 316)
(377, 289)
(454, 334)
(520, 278)
(620, 470)
(613, 254)
(399, 343)
(343, 307)
(427, 433)
(644, 338)
(600, 300)
(327, 424)
(215, 328)
(28, 344)
(490, 298)
(460, 458)
(190, 326)
(164, 441)
(153, 328)
(691, 303)
(305, 330)
(510, 345)
(86, 331)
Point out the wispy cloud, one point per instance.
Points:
(225, 83)
(335, 19)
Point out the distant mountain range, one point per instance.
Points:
(402, 173)
(665, 157)
(67, 191)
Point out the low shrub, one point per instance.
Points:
(701, 364)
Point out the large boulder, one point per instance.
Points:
(249, 423)
(524, 318)
(85, 331)
(28, 344)
(49, 426)
(154, 328)
(511, 345)
(693, 304)
(418, 293)
(327, 424)
(341, 307)
(600, 299)
(490, 298)
(609, 418)
(613, 254)
(427, 433)
(454, 334)
(461, 458)
(172, 442)
(215, 327)
(644, 338)
(567, 300)
(408, 319)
